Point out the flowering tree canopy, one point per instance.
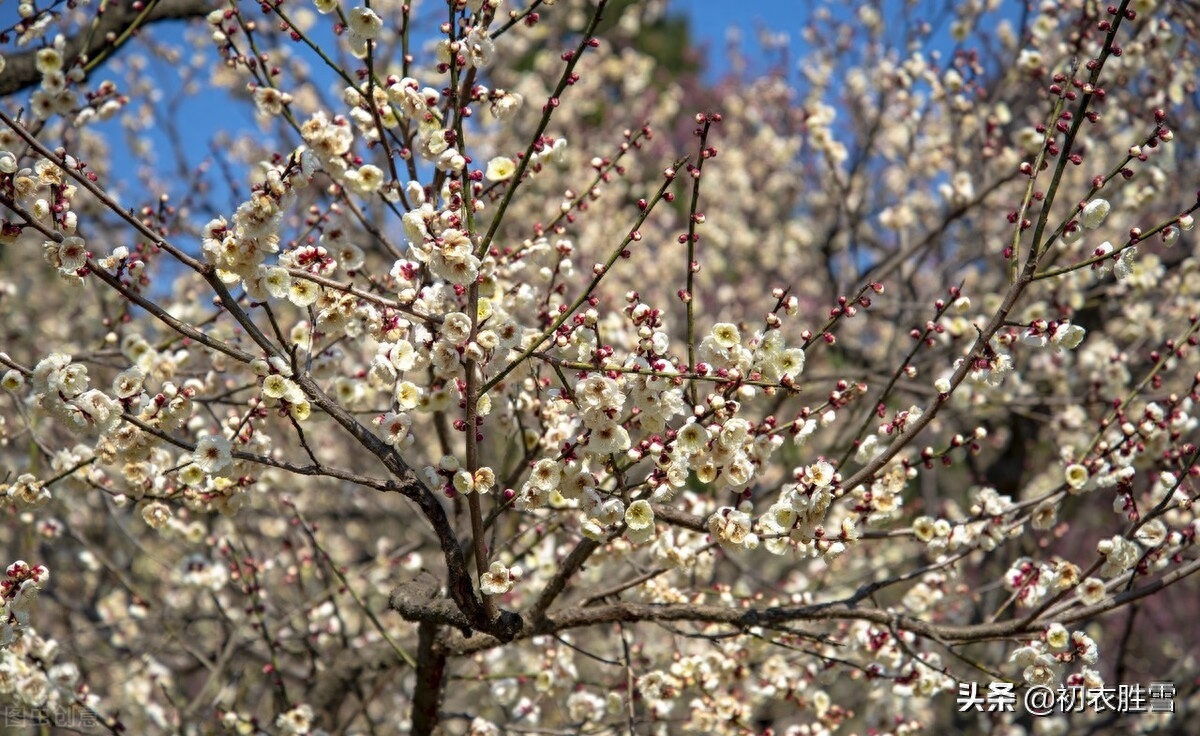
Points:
(488, 371)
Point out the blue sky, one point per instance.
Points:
(710, 26)
(711, 22)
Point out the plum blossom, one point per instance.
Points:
(213, 453)
(497, 580)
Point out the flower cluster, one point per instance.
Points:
(18, 590)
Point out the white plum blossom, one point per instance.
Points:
(500, 169)
(1076, 476)
(1094, 213)
(732, 528)
(364, 22)
(213, 453)
(497, 580)
(639, 515)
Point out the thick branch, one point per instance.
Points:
(420, 600)
(432, 610)
(431, 674)
(110, 24)
(462, 589)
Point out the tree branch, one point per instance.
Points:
(434, 611)
(103, 36)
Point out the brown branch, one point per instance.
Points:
(740, 618)
(409, 599)
(420, 599)
(745, 618)
(1068, 613)
(566, 570)
(462, 589)
(97, 38)
(431, 674)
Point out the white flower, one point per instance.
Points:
(692, 438)
(923, 528)
(1043, 671)
(726, 335)
(13, 380)
(599, 393)
(500, 168)
(48, 61)
(364, 23)
(72, 253)
(369, 180)
(779, 518)
(128, 383)
(70, 380)
(739, 470)
(1057, 637)
(270, 101)
(496, 581)
(546, 474)
(408, 395)
(102, 410)
(639, 515)
(732, 527)
(1152, 534)
(156, 514)
(402, 355)
(1031, 338)
(29, 492)
(1024, 656)
(276, 386)
(866, 450)
(300, 410)
(395, 426)
(481, 50)
(213, 453)
(820, 473)
(1119, 555)
(1085, 647)
(277, 282)
(456, 327)
(464, 482)
(191, 474)
(1045, 515)
(1091, 591)
(303, 293)
(485, 479)
(607, 438)
(1094, 212)
(1068, 335)
(505, 104)
(790, 362)
(296, 721)
(1076, 476)
(1125, 264)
